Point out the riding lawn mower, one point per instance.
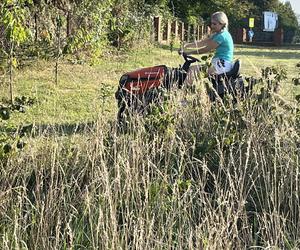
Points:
(137, 89)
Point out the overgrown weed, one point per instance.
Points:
(211, 176)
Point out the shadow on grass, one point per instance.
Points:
(168, 47)
(47, 130)
(283, 52)
(164, 46)
(60, 129)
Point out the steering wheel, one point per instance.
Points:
(189, 58)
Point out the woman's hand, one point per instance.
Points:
(180, 51)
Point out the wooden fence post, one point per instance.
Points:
(186, 32)
(201, 32)
(278, 37)
(181, 31)
(240, 35)
(157, 29)
(207, 30)
(174, 29)
(193, 32)
(166, 30)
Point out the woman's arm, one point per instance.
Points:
(196, 44)
(206, 45)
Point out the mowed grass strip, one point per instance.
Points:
(85, 92)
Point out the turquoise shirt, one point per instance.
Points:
(225, 48)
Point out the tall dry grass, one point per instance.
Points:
(193, 176)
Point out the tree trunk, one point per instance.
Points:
(10, 72)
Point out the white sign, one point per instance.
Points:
(270, 20)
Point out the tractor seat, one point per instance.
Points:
(234, 72)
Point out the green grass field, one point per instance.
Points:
(85, 92)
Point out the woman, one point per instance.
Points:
(220, 41)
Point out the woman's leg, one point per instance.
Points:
(193, 74)
(219, 66)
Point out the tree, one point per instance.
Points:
(193, 11)
(288, 18)
(13, 17)
(265, 5)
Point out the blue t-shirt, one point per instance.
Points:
(225, 48)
